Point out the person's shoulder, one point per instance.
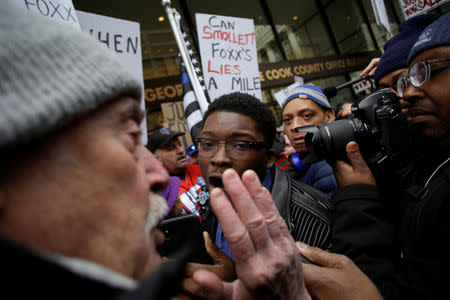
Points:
(321, 168)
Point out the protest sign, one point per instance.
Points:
(411, 8)
(228, 54)
(123, 38)
(59, 10)
(173, 113)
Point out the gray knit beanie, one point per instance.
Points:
(51, 74)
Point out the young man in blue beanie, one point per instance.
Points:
(422, 224)
(306, 104)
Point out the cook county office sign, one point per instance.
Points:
(168, 89)
(277, 74)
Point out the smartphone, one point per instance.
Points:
(181, 232)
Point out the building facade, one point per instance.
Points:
(326, 42)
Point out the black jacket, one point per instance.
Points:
(400, 243)
(307, 211)
(28, 275)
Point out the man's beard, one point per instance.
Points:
(158, 208)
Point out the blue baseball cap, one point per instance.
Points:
(308, 91)
(396, 50)
(435, 35)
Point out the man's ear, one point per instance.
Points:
(270, 158)
(330, 115)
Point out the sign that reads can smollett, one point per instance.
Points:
(228, 54)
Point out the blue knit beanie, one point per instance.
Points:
(308, 91)
(396, 50)
(436, 34)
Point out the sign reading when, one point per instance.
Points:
(123, 38)
(228, 54)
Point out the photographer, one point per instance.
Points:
(422, 226)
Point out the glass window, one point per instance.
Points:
(300, 28)
(348, 26)
(381, 34)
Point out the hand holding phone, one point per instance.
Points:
(181, 232)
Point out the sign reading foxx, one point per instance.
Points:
(59, 10)
(228, 54)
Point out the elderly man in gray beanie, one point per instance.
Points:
(79, 192)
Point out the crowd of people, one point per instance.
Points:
(81, 196)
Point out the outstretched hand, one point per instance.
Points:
(337, 277)
(357, 172)
(267, 260)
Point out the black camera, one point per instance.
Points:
(376, 123)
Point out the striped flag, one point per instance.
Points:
(192, 112)
(194, 62)
(196, 99)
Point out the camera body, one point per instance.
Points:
(376, 123)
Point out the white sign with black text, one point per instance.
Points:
(123, 38)
(59, 10)
(411, 8)
(228, 54)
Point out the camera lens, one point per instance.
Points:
(328, 141)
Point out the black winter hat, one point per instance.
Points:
(396, 50)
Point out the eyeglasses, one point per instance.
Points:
(235, 148)
(392, 87)
(419, 74)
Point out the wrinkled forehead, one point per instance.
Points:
(299, 104)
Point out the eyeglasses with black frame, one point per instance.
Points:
(419, 74)
(236, 149)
